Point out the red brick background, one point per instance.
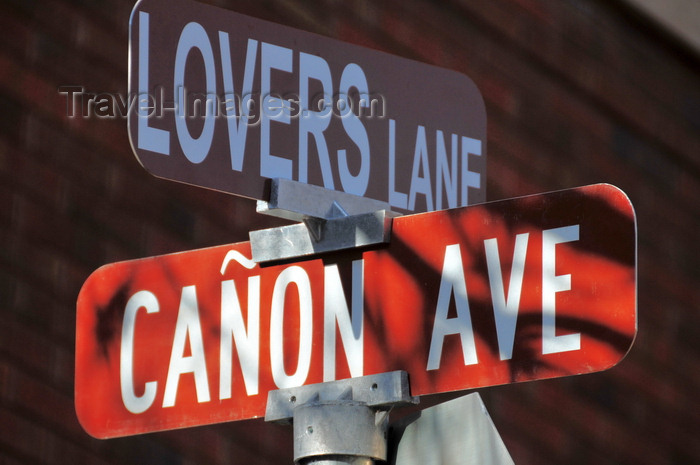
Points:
(577, 92)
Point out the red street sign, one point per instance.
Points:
(225, 101)
(516, 290)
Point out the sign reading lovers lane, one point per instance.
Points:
(516, 290)
(225, 101)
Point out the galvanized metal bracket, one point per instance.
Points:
(328, 221)
(341, 422)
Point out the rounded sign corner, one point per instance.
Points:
(475, 93)
(86, 422)
(138, 6)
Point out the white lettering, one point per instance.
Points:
(420, 184)
(193, 36)
(237, 130)
(279, 58)
(452, 282)
(335, 309)
(505, 311)
(353, 76)
(132, 402)
(396, 199)
(247, 340)
(551, 284)
(298, 276)
(314, 122)
(469, 178)
(443, 173)
(153, 139)
(187, 328)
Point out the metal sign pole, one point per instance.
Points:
(340, 422)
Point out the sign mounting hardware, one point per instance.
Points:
(341, 422)
(329, 221)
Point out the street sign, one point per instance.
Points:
(516, 290)
(225, 101)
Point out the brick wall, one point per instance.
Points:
(576, 92)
